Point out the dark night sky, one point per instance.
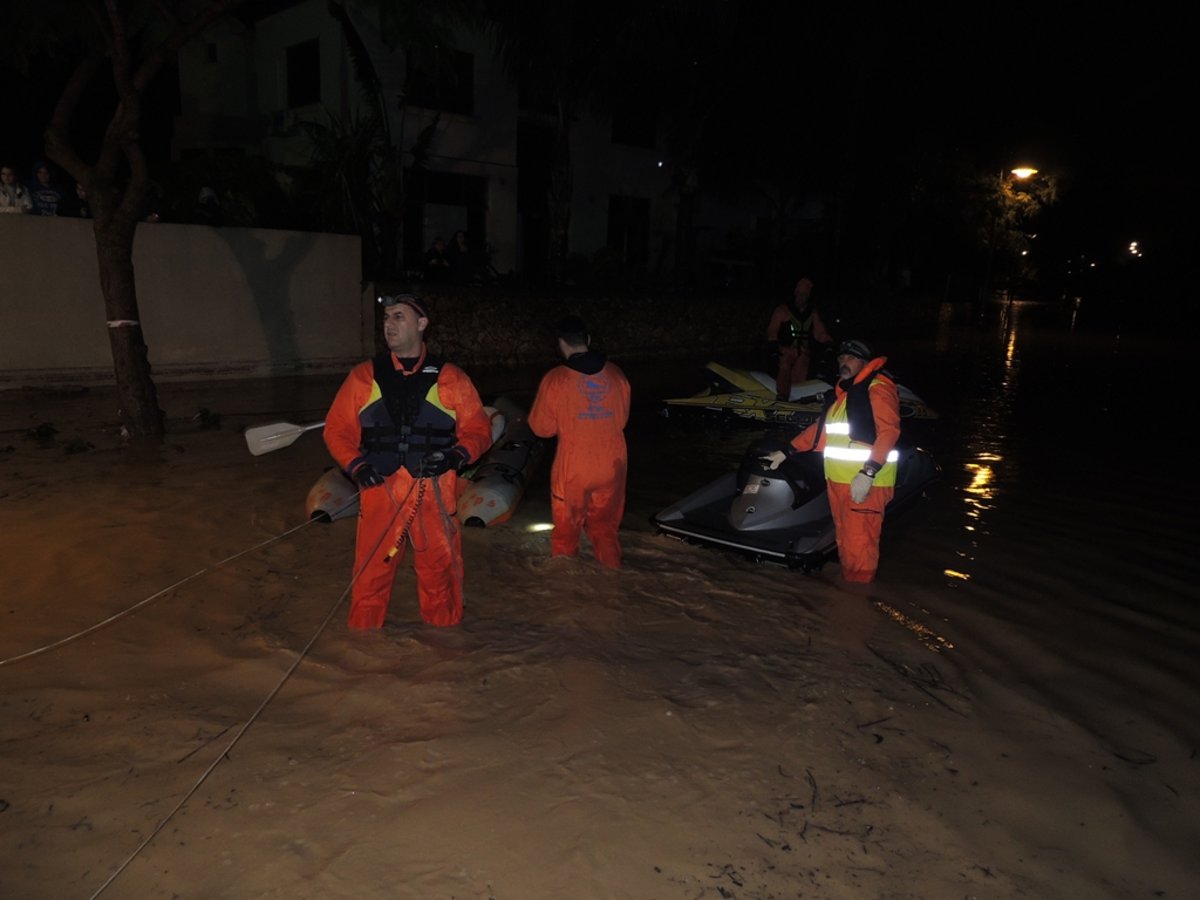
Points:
(1099, 102)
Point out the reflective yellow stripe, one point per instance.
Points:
(844, 458)
(856, 454)
(373, 397)
(434, 398)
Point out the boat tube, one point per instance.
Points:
(782, 515)
(488, 491)
(746, 396)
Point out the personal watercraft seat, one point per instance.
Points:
(803, 473)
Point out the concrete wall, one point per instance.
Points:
(214, 302)
(242, 303)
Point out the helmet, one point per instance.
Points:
(855, 348)
(411, 300)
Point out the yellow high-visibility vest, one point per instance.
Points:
(844, 457)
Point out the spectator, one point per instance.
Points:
(43, 192)
(437, 263)
(208, 208)
(462, 268)
(77, 206)
(14, 198)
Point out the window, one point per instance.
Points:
(445, 82)
(303, 74)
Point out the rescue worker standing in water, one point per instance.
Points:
(402, 425)
(792, 329)
(585, 403)
(857, 434)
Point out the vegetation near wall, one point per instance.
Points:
(485, 328)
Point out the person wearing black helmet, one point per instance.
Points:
(403, 425)
(857, 436)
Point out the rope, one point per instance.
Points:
(147, 600)
(263, 705)
(228, 747)
(278, 686)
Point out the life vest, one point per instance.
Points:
(404, 420)
(849, 433)
(797, 330)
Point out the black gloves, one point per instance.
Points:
(366, 476)
(440, 461)
(432, 465)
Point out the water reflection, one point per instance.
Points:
(986, 431)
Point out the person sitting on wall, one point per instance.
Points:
(14, 196)
(43, 192)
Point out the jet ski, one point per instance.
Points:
(746, 396)
(780, 516)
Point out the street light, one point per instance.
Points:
(1018, 173)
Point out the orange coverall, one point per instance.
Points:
(794, 360)
(858, 525)
(588, 414)
(419, 511)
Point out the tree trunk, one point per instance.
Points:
(140, 413)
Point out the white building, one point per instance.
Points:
(249, 80)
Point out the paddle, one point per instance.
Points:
(265, 438)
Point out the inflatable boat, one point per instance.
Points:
(488, 492)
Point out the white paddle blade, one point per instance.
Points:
(264, 438)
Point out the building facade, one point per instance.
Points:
(484, 148)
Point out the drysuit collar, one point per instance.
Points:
(866, 372)
(589, 362)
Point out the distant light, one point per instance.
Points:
(1024, 171)
(660, 163)
(540, 526)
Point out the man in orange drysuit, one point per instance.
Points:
(857, 434)
(402, 425)
(585, 403)
(792, 328)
